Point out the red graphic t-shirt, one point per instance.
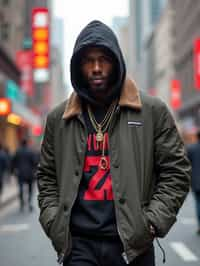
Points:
(93, 212)
(100, 183)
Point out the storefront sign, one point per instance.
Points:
(176, 101)
(24, 63)
(40, 37)
(197, 64)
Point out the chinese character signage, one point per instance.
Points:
(40, 37)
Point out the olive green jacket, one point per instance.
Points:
(149, 168)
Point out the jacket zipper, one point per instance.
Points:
(124, 255)
(62, 255)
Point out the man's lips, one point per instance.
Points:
(97, 81)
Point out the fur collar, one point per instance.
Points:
(130, 97)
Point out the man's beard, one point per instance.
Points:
(101, 95)
(105, 87)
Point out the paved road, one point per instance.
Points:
(23, 243)
(182, 244)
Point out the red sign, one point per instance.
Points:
(40, 37)
(176, 94)
(24, 63)
(197, 64)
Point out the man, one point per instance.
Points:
(113, 171)
(194, 156)
(24, 166)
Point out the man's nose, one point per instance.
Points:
(97, 66)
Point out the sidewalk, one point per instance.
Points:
(10, 192)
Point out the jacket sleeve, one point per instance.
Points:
(46, 178)
(172, 172)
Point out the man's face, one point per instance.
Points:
(97, 68)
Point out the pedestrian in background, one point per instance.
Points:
(23, 164)
(8, 175)
(113, 171)
(194, 156)
(3, 168)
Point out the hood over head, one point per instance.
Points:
(97, 34)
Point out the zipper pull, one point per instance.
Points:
(162, 249)
(117, 109)
(60, 258)
(125, 257)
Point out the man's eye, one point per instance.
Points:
(86, 61)
(106, 59)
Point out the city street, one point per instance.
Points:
(91, 90)
(23, 243)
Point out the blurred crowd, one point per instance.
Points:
(21, 166)
(192, 142)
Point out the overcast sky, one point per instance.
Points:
(77, 13)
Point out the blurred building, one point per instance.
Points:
(187, 32)
(120, 26)
(143, 17)
(58, 90)
(40, 89)
(14, 114)
(164, 70)
(57, 37)
(40, 101)
(19, 116)
(12, 25)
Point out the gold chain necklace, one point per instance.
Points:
(100, 129)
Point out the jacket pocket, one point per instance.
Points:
(46, 219)
(147, 225)
(58, 231)
(142, 237)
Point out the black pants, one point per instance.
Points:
(22, 186)
(1, 185)
(197, 202)
(89, 252)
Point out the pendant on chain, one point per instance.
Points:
(99, 136)
(103, 163)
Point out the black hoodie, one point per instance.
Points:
(97, 34)
(93, 213)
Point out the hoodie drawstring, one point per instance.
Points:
(162, 249)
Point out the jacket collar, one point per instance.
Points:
(130, 97)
